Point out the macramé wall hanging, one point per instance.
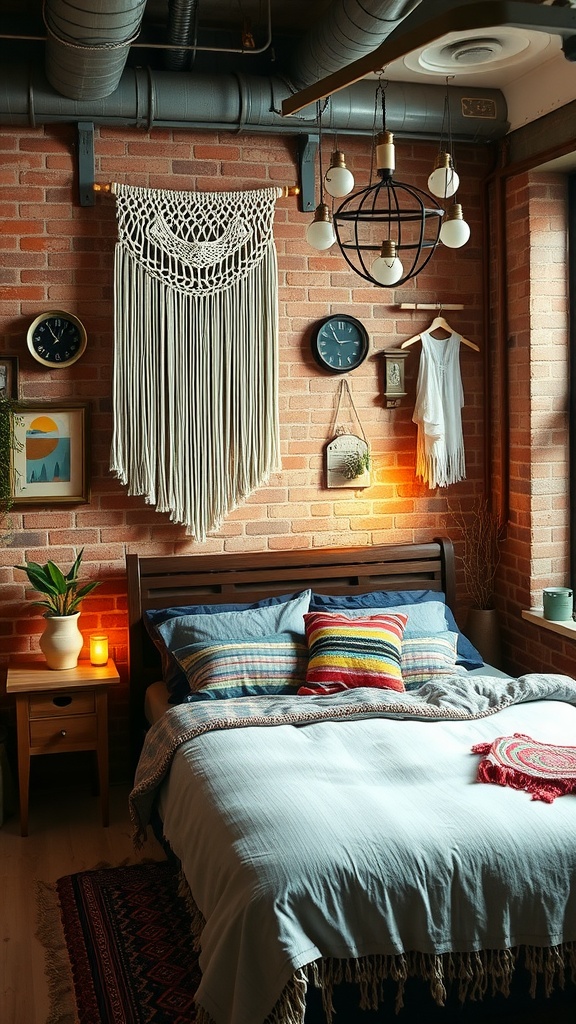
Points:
(195, 392)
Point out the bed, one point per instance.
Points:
(341, 858)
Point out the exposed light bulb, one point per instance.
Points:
(338, 180)
(320, 233)
(454, 232)
(387, 268)
(444, 181)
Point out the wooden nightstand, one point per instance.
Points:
(59, 711)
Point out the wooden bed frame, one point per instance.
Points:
(161, 582)
(165, 581)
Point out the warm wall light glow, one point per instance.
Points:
(98, 649)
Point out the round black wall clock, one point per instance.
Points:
(340, 343)
(56, 338)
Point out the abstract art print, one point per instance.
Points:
(50, 463)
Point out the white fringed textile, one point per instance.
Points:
(440, 458)
(195, 392)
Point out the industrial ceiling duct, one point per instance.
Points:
(87, 44)
(349, 29)
(249, 103)
(182, 16)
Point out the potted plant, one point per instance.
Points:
(61, 641)
(356, 464)
(481, 534)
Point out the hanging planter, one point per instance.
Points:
(348, 456)
(348, 462)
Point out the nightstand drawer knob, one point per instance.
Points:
(62, 732)
(62, 702)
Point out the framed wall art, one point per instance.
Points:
(50, 463)
(8, 376)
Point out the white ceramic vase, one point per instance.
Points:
(61, 641)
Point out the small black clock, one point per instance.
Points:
(340, 343)
(56, 338)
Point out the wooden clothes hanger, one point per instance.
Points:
(438, 322)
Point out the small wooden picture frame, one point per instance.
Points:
(8, 376)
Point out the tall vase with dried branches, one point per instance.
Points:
(481, 534)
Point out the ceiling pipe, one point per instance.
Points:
(88, 41)
(87, 44)
(348, 30)
(182, 17)
(250, 103)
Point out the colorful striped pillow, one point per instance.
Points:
(345, 653)
(427, 657)
(245, 667)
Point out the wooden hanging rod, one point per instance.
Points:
(287, 190)
(431, 305)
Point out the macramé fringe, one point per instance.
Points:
(476, 974)
(50, 933)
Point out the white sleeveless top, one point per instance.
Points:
(439, 399)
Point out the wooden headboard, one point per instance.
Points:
(160, 582)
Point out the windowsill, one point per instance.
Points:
(536, 615)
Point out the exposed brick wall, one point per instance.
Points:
(56, 254)
(536, 553)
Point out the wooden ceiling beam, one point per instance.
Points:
(417, 31)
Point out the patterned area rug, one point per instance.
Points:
(127, 942)
(123, 955)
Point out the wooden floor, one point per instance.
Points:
(65, 835)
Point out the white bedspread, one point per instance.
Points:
(368, 836)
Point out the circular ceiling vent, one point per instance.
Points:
(476, 51)
(472, 51)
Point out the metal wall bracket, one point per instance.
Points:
(86, 162)
(307, 150)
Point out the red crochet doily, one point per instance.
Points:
(543, 769)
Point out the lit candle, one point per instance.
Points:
(98, 649)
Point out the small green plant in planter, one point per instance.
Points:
(356, 463)
(61, 641)
(63, 592)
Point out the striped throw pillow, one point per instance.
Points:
(428, 657)
(244, 667)
(344, 653)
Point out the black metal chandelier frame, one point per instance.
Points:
(395, 205)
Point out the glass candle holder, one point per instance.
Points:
(98, 649)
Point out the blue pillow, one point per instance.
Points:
(262, 620)
(153, 617)
(244, 667)
(414, 602)
(373, 599)
(426, 658)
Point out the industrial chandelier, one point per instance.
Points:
(389, 230)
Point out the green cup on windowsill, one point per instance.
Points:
(558, 603)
